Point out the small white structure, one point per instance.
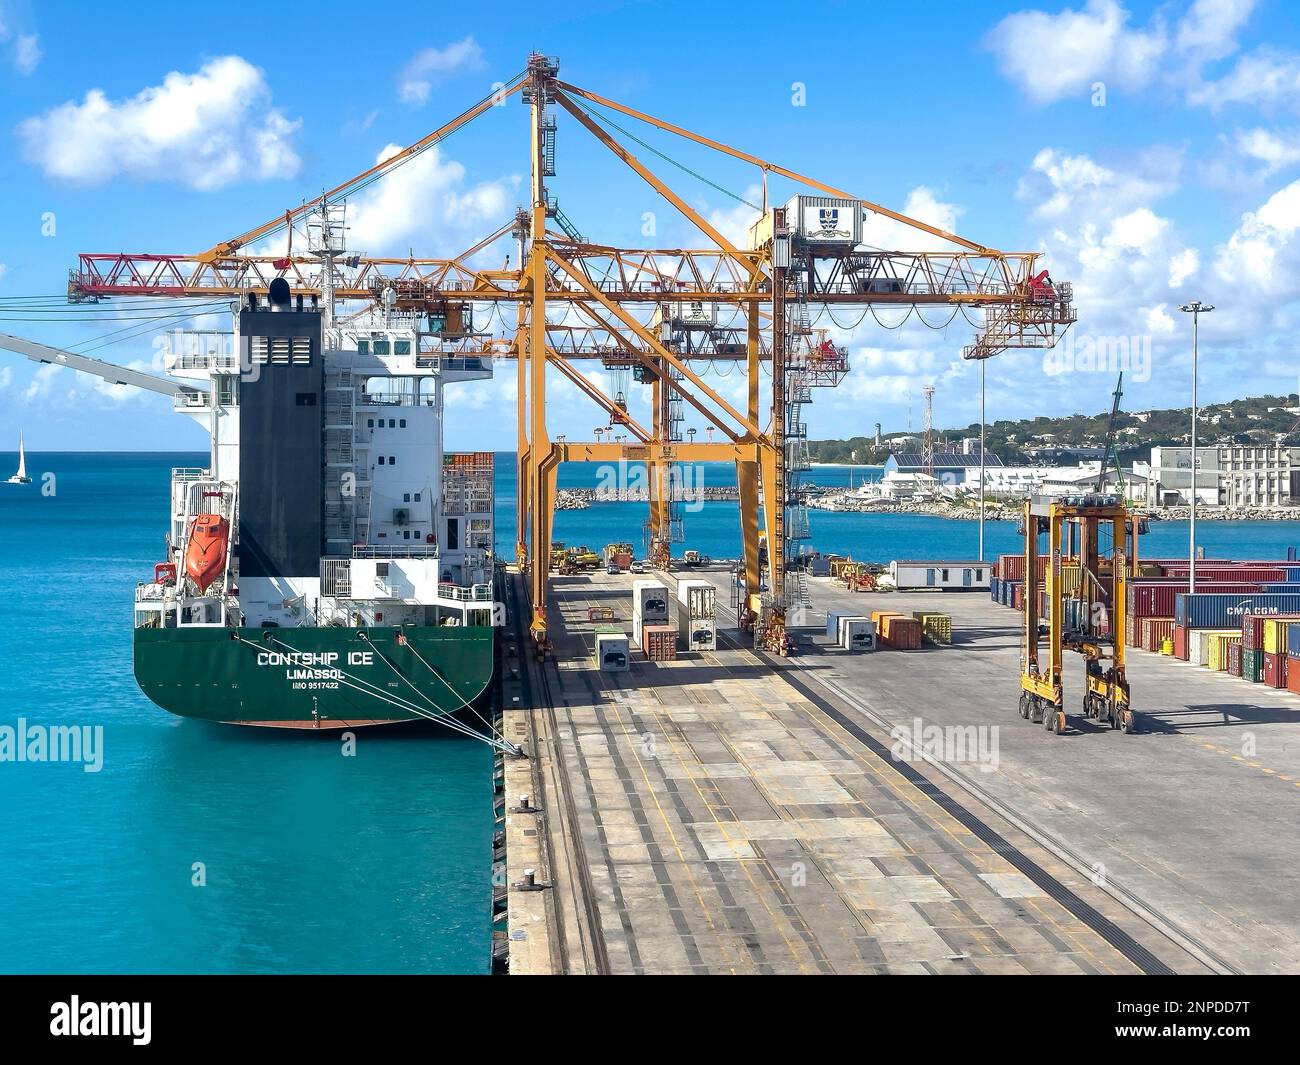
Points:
(956, 576)
(612, 652)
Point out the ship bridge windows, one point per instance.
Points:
(382, 347)
(401, 347)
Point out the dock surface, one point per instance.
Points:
(731, 813)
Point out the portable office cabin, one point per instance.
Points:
(948, 576)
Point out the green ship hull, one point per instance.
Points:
(314, 677)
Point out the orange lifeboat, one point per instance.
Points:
(205, 557)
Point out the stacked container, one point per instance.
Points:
(649, 607)
(856, 633)
(659, 642)
(1293, 653)
(697, 615)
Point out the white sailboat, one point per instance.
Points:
(21, 476)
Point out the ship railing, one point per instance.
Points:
(149, 592)
(395, 552)
(476, 593)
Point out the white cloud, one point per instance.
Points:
(427, 68)
(1209, 29)
(427, 202)
(27, 53)
(204, 130)
(1264, 78)
(1260, 259)
(1267, 147)
(880, 231)
(42, 381)
(1108, 237)
(6, 376)
(1054, 56)
(1182, 266)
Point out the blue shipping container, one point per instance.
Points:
(1293, 641)
(995, 589)
(1213, 610)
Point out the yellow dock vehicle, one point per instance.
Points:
(1095, 537)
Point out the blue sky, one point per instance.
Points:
(1152, 151)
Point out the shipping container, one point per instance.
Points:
(995, 588)
(1274, 669)
(1275, 634)
(1211, 610)
(1293, 641)
(937, 628)
(1011, 567)
(649, 606)
(1234, 660)
(857, 634)
(698, 634)
(895, 630)
(1252, 631)
(1252, 664)
(1155, 631)
(1293, 676)
(659, 642)
(698, 598)
(612, 652)
(1155, 599)
(1217, 658)
(833, 622)
(1180, 642)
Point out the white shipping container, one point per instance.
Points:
(650, 601)
(857, 634)
(697, 634)
(697, 598)
(612, 652)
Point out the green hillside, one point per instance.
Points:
(1259, 420)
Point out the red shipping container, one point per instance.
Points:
(900, 632)
(1155, 599)
(1180, 642)
(1011, 567)
(1234, 660)
(1018, 596)
(1252, 631)
(1293, 678)
(1275, 670)
(659, 642)
(1155, 631)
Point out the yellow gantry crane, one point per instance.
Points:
(1091, 550)
(639, 308)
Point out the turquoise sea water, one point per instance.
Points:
(314, 862)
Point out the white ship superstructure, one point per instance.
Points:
(397, 531)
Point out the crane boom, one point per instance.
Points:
(105, 371)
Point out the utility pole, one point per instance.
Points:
(1196, 308)
(983, 363)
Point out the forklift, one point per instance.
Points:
(1091, 552)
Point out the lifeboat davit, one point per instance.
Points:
(205, 557)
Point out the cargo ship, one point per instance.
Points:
(332, 566)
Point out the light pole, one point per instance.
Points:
(982, 364)
(1196, 308)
